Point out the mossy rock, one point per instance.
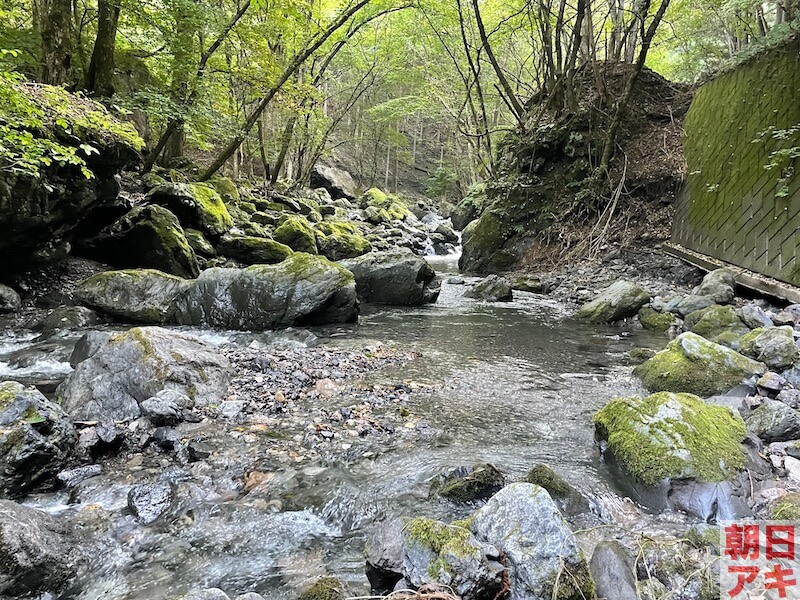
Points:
(693, 364)
(618, 301)
(786, 508)
(384, 208)
(196, 205)
(672, 436)
(199, 243)
(337, 241)
(717, 323)
(483, 245)
(252, 250)
(297, 233)
(545, 477)
(325, 588)
(652, 320)
(774, 346)
(469, 484)
(225, 188)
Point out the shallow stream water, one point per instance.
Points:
(513, 384)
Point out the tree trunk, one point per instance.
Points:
(54, 22)
(100, 76)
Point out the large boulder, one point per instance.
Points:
(138, 296)
(36, 438)
(196, 205)
(9, 299)
(37, 552)
(338, 182)
(692, 364)
(148, 236)
(719, 285)
(671, 436)
(301, 290)
(541, 553)
(297, 233)
(775, 346)
(616, 302)
(125, 369)
(252, 250)
(397, 277)
(492, 289)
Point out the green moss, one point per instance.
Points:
(443, 540)
(212, 213)
(338, 241)
(787, 508)
(325, 588)
(653, 320)
(297, 233)
(388, 208)
(692, 364)
(574, 582)
(672, 436)
(225, 188)
(8, 392)
(545, 477)
(253, 250)
(483, 240)
(715, 321)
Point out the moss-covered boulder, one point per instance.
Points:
(566, 496)
(618, 301)
(325, 588)
(383, 208)
(196, 205)
(652, 320)
(147, 236)
(541, 553)
(450, 555)
(134, 296)
(774, 346)
(199, 243)
(672, 436)
(693, 364)
(252, 250)
(298, 234)
(717, 323)
(484, 242)
(36, 439)
(337, 241)
(397, 277)
(468, 484)
(225, 187)
(301, 290)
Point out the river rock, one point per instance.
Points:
(148, 236)
(774, 421)
(132, 366)
(339, 241)
(325, 588)
(567, 497)
(396, 277)
(149, 501)
(296, 233)
(37, 552)
(492, 289)
(671, 436)
(718, 285)
(675, 451)
(754, 317)
(469, 484)
(531, 283)
(166, 407)
(618, 301)
(540, 551)
(69, 478)
(774, 346)
(385, 552)
(9, 299)
(207, 594)
(196, 205)
(438, 553)
(252, 250)
(652, 320)
(301, 290)
(717, 323)
(138, 296)
(686, 305)
(613, 572)
(693, 364)
(66, 318)
(338, 182)
(36, 438)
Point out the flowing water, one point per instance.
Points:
(513, 384)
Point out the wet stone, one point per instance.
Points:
(149, 501)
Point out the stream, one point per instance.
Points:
(512, 384)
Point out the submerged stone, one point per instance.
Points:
(693, 364)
